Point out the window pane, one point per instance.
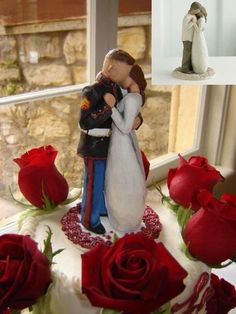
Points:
(53, 122)
(42, 44)
(170, 125)
(170, 116)
(134, 30)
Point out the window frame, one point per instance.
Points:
(212, 135)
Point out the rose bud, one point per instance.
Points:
(210, 233)
(185, 181)
(38, 178)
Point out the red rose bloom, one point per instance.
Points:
(191, 176)
(211, 232)
(135, 275)
(24, 272)
(225, 296)
(39, 177)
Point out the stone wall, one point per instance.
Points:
(47, 59)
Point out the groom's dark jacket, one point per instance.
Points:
(95, 113)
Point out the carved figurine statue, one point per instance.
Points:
(99, 112)
(195, 52)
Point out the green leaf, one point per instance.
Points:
(109, 311)
(183, 215)
(48, 245)
(164, 309)
(19, 202)
(48, 204)
(115, 237)
(57, 252)
(47, 250)
(167, 200)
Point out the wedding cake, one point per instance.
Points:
(56, 266)
(66, 296)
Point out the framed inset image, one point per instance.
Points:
(167, 46)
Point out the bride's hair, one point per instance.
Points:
(136, 73)
(204, 12)
(120, 55)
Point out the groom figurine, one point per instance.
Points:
(95, 124)
(187, 36)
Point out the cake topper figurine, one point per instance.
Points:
(97, 109)
(195, 52)
(125, 176)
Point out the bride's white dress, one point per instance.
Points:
(125, 179)
(199, 48)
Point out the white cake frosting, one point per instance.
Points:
(65, 295)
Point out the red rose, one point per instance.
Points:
(211, 232)
(39, 177)
(135, 275)
(225, 296)
(191, 176)
(24, 272)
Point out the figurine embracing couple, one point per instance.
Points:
(114, 181)
(195, 52)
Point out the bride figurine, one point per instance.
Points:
(125, 189)
(199, 46)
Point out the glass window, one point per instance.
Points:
(134, 30)
(42, 45)
(52, 121)
(171, 115)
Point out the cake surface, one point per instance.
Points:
(65, 295)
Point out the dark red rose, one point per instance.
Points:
(24, 272)
(185, 181)
(39, 177)
(211, 232)
(225, 296)
(135, 275)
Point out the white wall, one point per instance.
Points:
(167, 16)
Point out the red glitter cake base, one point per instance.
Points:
(73, 229)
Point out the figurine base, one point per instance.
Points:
(193, 76)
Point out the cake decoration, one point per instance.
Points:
(25, 273)
(109, 146)
(73, 229)
(195, 52)
(207, 225)
(135, 275)
(139, 263)
(39, 180)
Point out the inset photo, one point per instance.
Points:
(193, 42)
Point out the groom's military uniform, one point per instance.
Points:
(95, 118)
(95, 124)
